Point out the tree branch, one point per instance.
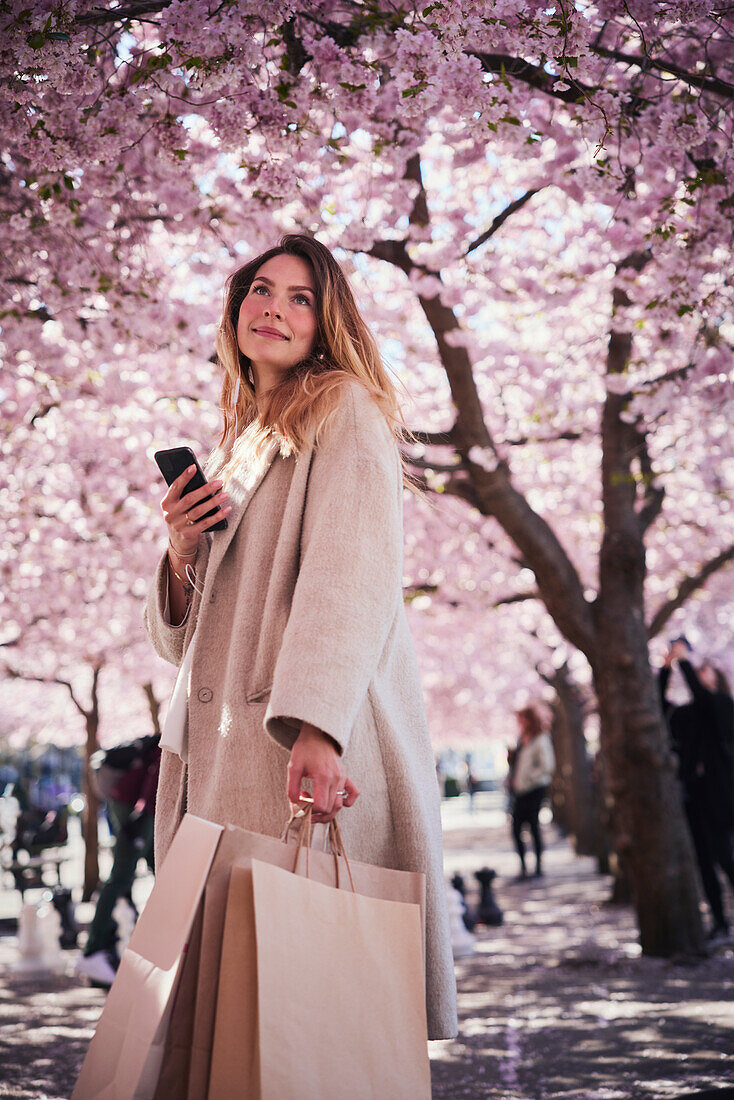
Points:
(524, 440)
(98, 16)
(437, 467)
(687, 587)
(654, 495)
(14, 674)
(500, 220)
(674, 375)
(645, 63)
(534, 75)
(518, 597)
(393, 252)
(19, 637)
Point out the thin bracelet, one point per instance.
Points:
(186, 583)
(182, 556)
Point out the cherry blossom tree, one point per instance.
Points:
(538, 207)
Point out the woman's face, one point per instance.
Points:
(277, 322)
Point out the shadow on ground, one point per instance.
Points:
(556, 1004)
(45, 1030)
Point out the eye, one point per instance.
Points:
(259, 287)
(302, 300)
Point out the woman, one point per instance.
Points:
(302, 667)
(702, 734)
(531, 770)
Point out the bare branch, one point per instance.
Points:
(675, 375)
(393, 252)
(654, 495)
(437, 467)
(99, 16)
(711, 84)
(525, 440)
(14, 674)
(44, 411)
(500, 220)
(687, 587)
(535, 75)
(518, 597)
(19, 637)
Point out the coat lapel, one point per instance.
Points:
(241, 491)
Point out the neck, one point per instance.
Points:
(266, 379)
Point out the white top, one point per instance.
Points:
(175, 729)
(535, 764)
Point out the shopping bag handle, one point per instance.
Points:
(304, 816)
(337, 844)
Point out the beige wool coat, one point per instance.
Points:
(302, 620)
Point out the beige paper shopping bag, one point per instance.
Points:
(341, 992)
(238, 847)
(124, 1058)
(234, 1061)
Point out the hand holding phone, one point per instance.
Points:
(192, 505)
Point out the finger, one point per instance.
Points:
(176, 488)
(352, 793)
(193, 529)
(295, 778)
(196, 512)
(208, 489)
(323, 817)
(221, 514)
(198, 497)
(189, 527)
(338, 805)
(323, 795)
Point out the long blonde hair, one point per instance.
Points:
(296, 411)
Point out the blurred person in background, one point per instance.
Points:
(702, 735)
(532, 764)
(131, 813)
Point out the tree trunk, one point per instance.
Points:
(559, 788)
(652, 838)
(90, 816)
(153, 706)
(574, 766)
(651, 835)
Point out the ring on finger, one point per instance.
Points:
(342, 794)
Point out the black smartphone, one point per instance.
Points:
(173, 462)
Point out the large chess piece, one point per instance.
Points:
(125, 916)
(488, 911)
(462, 941)
(469, 917)
(62, 902)
(39, 950)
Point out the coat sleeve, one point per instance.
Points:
(349, 580)
(663, 681)
(701, 694)
(168, 641)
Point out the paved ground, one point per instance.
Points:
(556, 1004)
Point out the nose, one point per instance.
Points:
(272, 310)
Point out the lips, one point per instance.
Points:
(263, 330)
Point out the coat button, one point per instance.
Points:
(212, 598)
(205, 695)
